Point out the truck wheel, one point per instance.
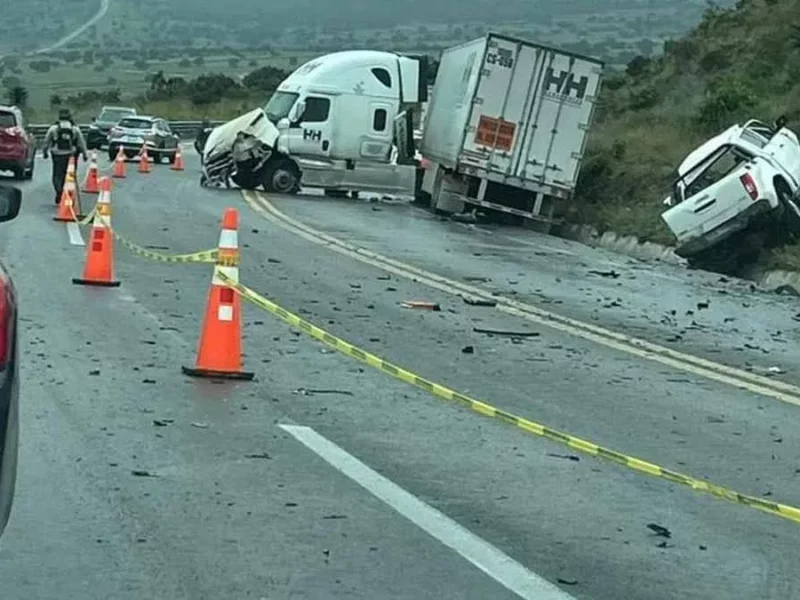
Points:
(789, 227)
(282, 178)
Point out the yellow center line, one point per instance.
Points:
(757, 384)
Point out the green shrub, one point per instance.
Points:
(726, 99)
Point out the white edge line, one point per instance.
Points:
(489, 559)
(75, 237)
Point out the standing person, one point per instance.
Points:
(63, 140)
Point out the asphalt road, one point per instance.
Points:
(238, 507)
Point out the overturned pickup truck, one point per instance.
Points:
(736, 194)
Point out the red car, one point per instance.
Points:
(17, 146)
(10, 201)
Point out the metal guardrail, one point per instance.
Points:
(185, 129)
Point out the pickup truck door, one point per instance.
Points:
(783, 150)
(715, 193)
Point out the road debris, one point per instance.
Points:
(567, 581)
(659, 530)
(334, 517)
(163, 422)
(479, 302)
(200, 425)
(307, 392)
(513, 334)
(140, 473)
(261, 455)
(571, 457)
(612, 274)
(468, 350)
(422, 305)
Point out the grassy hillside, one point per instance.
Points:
(737, 63)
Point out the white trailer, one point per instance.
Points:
(506, 127)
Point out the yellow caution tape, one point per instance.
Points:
(781, 510)
(204, 256)
(87, 219)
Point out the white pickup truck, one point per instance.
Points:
(736, 194)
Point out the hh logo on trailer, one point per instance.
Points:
(564, 87)
(314, 135)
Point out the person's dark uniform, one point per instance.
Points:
(63, 140)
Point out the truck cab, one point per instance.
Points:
(342, 105)
(332, 115)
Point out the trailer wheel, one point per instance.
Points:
(282, 177)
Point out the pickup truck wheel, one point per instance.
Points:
(789, 225)
(282, 178)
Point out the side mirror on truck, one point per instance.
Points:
(298, 111)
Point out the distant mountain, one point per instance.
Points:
(27, 24)
(263, 22)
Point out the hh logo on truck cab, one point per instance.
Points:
(312, 134)
(563, 87)
(503, 58)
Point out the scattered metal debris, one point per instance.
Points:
(515, 334)
(480, 302)
(422, 305)
(571, 457)
(612, 274)
(659, 530)
(306, 392)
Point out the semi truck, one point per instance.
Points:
(334, 123)
(506, 127)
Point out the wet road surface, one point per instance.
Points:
(138, 482)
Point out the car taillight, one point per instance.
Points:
(749, 185)
(6, 324)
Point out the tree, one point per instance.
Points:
(18, 96)
(265, 79)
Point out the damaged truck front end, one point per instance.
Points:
(247, 152)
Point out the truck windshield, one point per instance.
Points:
(279, 106)
(709, 171)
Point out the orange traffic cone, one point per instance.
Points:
(144, 161)
(220, 350)
(69, 209)
(178, 164)
(90, 186)
(99, 266)
(119, 165)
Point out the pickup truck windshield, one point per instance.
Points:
(709, 171)
(279, 106)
